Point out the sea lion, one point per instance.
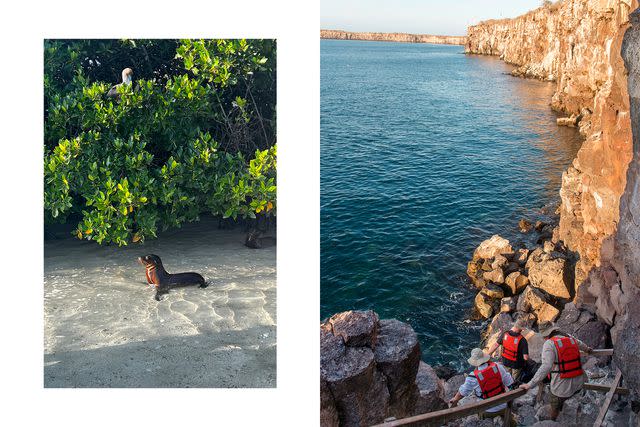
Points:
(163, 281)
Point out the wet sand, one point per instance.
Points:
(103, 327)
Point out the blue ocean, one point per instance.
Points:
(425, 152)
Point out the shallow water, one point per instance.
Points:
(103, 327)
(425, 152)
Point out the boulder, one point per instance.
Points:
(445, 372)
(521, 256)
(483, 305)
(356, 328)
(359, 391)
(486, 265)
(511, 267)
(540, 225)
(501, 322)
(508, 304)
(524, 225)
(534, 256)
(452, 385)
(552, 275)
(495, 276)
(397, 355)
(516, 282)
(430, 389)
(626, 350)
(499, 262)
(492, 247)
(584, 326)
(532, 300)
(328, 410)
(493, 291)
(548, 246)
(568, 121)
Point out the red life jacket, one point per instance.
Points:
(510, 346)
(569, 365)
(490, 380)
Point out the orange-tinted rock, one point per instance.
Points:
(577, 43)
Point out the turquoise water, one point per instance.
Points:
(425, 152)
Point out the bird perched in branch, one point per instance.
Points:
(127, 75)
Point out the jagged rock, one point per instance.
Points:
(492, 247)
(529, 399)
(452, 385)
(546, 423)
(483, 305)
(524, 226)
(540, 225)
(534, 256)
(525, 416)
(328, 410)
(493, 291)
(508, 304)
(544, 413)
(495, 276)
(516, 282)
(534, 301)
(548, 246)
(499, 262)
(583, 325)
(486, 265)
(430, 389)
(397, 355)
(475, 421)
(511, 267)
(626, 351)
(501, 322)
(521, 256)
(551, 275)
(445, 372)
(568, 121)
(359, 390)
(356, 328)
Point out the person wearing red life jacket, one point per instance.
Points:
(561, 359)
(515, 349)
(487, 380)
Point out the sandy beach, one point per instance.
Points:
(103, 327)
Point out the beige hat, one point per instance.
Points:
(478, 357)
(546, 328)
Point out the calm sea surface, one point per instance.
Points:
(425, 152)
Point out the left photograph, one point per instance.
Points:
(160, 213)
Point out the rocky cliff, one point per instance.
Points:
(590, 49)
(392, 37)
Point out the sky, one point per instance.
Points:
(437, 17)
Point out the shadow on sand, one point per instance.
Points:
(228, 359)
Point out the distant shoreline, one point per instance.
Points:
(392, 37)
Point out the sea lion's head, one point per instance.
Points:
(150, 261)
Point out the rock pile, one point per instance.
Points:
(370, 369)
(537, 281)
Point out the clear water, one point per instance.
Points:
(103, 328)
(425, 152)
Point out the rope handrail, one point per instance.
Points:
(450, 414)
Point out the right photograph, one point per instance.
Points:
(480, 213)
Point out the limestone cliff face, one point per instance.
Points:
(392, 37)
(577, 44)
(591, 49)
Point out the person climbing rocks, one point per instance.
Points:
(515, 349)
(560, 359)
(488, 379)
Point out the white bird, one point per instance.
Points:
(127, 75)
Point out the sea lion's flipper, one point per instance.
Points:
(159, 292)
